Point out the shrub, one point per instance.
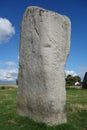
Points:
(2, 87)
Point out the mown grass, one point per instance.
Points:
(76, 112)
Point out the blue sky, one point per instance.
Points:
(11, 12)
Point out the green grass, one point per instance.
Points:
(76, 112)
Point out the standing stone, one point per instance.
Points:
(44, 46)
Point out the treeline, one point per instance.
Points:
(71, 80)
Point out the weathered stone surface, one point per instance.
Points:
(44, 46)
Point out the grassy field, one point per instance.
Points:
(76, 112)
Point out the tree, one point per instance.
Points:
(70, 80)
(77, 79)
(84, 84)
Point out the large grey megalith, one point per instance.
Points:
(44, 46)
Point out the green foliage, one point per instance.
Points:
(70, 80)
(2, 87)
(76, 112)
(77, 79)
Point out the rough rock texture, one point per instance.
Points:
(44, 46)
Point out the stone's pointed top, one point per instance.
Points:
(49, 11)
(34, 7)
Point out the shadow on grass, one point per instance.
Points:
(27, 124)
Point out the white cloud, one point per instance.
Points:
(70, 72)
(10, 72)
(8, 75)
(6, 30)
(10, 63)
